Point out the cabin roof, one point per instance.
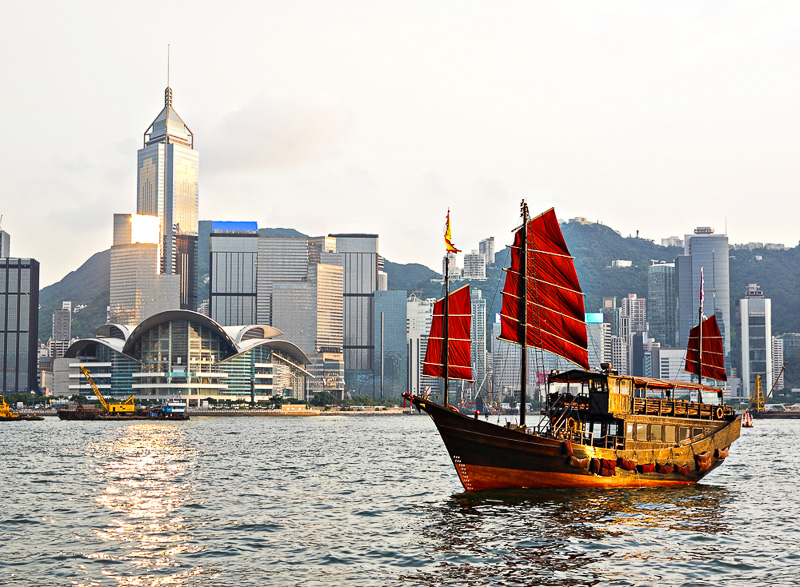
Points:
(581, 376)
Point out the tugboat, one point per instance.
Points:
(9, 415)
(599, 428)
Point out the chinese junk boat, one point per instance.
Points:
(599, 428)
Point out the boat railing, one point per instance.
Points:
(679, 408)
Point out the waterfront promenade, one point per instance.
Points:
(263, 412)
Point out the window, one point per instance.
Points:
(629, 431)
(683, 434)
(656, 433)
(669, 434)
(613, 429)
(697, 432)
(641, 432)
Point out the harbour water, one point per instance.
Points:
(369, 500)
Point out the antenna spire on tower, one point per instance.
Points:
(168, 91)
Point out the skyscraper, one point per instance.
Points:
(708, 251)
(391, 349)
(360, 260)
(167, 187)
(756, 315)
(662, 303)
(478, 342)
(5, 244)
(486, 248)
(137, 288)
(19, 324)
(62, 330)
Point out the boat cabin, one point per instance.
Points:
(605, 409)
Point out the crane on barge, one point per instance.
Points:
(126, 407)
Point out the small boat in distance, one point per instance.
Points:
(599, 428)
(747, 420)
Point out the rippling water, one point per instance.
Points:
(367, 501)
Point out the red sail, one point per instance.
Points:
(555, 310)
(713, 354)
(459, 359)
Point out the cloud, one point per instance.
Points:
(267, 133)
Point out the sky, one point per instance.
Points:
(376, 117)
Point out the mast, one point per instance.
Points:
(523, 300)
(700, 341)
(445, 332)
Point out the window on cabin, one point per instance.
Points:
(641, 432)
(613, 429)
(597, 429)
(697, 431)
(656, 432)
(629, 431)
(669, 433)
(683, 434)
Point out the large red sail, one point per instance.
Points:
(554, 300)
(713, 354)
(459, 359)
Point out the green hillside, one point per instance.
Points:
(87, 285)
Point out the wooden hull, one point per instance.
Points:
(487, 456)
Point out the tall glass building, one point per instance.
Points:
(167, 187)
(708, 251)
(19, 324)
(662, 303)
(391, 350)
(360, 261)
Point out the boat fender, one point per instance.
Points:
(608, 471)
(566, 448)
(625, 464)
(721, 453)
(719, 413)
(594, 466)
(682, 469)
(703, 460)
(665, 469)
(608, 463)
(579, 463)
(646, 468)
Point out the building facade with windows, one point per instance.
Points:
(662, 303)
(710, 252)
(184, 353)
(19, 324)
(756, 322)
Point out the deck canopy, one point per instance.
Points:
(581, 376)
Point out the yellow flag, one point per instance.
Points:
(450, 246)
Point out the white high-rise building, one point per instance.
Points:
(486, 248)
(599, 340)
(478, 343)
(474, 266)
(756, 316)
(777, 362)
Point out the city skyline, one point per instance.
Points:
(335, 120)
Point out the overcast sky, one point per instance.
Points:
(376, 117)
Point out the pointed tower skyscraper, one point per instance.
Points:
(168, 187)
